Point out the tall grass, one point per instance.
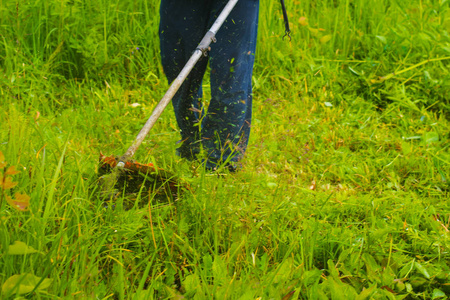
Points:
(344, 189)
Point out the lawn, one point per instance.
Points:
(344, 191)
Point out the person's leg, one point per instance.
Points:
(182, 26)
(226, 127)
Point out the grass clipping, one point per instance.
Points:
(136, 181)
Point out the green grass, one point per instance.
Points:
(345, 186)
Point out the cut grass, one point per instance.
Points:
(344, 189)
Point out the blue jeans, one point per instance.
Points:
(225, 129)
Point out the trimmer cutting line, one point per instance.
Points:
(123, 166)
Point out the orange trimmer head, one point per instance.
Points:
(140, 180)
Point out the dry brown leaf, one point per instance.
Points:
(12, 171)
(2, 160)
(22, 201)
(7, 183)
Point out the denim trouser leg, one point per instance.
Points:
(226, 127)
(182, 25)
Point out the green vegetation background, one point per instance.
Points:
(344, 191)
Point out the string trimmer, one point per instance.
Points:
(123, 166)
